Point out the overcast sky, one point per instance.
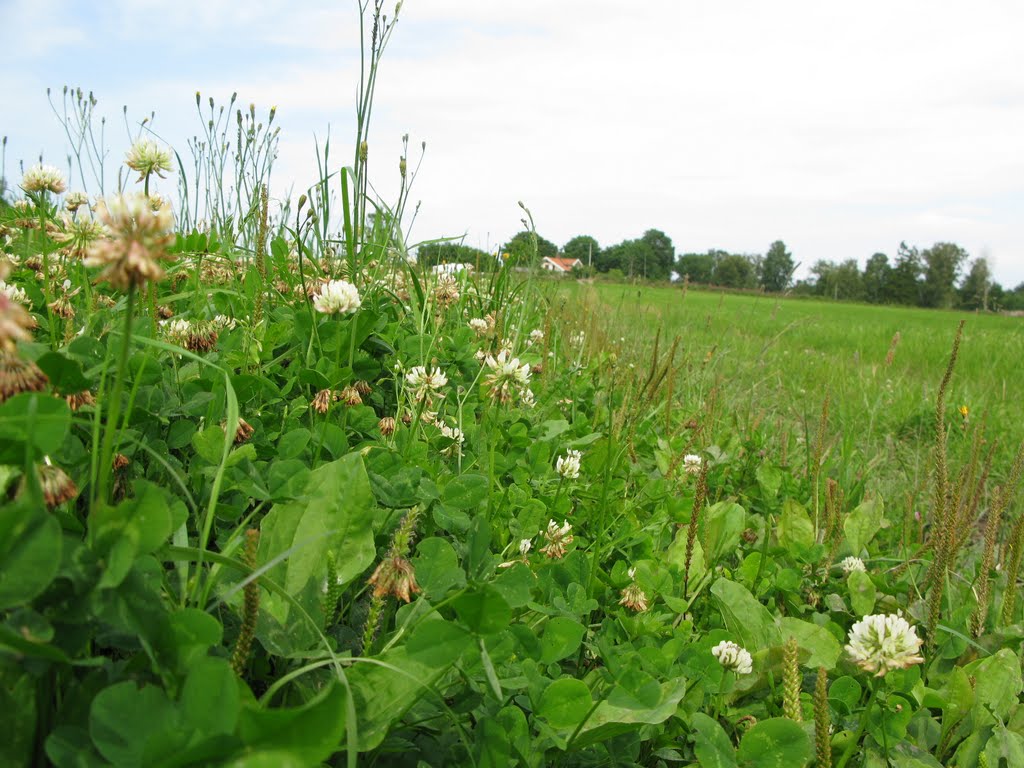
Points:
(840, 128)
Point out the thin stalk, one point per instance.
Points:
(114, 414)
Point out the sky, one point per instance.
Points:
(840, 128)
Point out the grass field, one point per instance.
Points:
(774, 361)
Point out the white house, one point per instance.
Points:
(559, 264)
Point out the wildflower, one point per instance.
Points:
(223, 323)
(120, 462)
(147, 158)
(79, 399)
(387, 426)
(56, 485)
(851, 564)
(18, 375)
(691, 464)
(536, 337)
(322, 402)
(525, 545)
(350, 396)
(15, 323)
(140, 239)
(578, 338)
(395, 576)
(733, 657)
(14, 293)
(425, 384)
(75, 200)
(43, 178)
(882, 642)
(244, 431)
(634, 598)
(337, 297)
(508, 376)
(558, 538)
(568, 466)
(479, 326)
(177, 331)
(446, 292)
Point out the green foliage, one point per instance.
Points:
(529, 248)
(777, 268)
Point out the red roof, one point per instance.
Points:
(563, 263)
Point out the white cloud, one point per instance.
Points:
(842, 129)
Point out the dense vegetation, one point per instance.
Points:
(277, 494)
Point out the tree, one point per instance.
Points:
(943, 262)
(904, 285)
(430, 254)
(877, 274)
(698, 267)
(735, 271)
(660, 255)
(582, 247)
(974, 293)
(520, 248)
(777, 268)
(842, 282)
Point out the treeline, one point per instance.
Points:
(942, 276)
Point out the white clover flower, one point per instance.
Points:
(75, 200)
(536, 336)
(851, 564)
(43, 178)
(14, 293)
(578, 338)
(525, 545)
(733, 657)
(884, 642)
(425, 384)
(691, 464)
(508, 377)
(177, 330)
(337, 297)
(558, 538)
(479, 326)
(147, 158)
(568, 466)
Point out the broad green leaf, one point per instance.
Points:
(137, 526)
(723, 524)
(437, 568)
(30, 550)
(387, 688)
(711, 744)
(209, 699)
(483, 611)
(437, 643)
(769, 478)
(795, 531)
(750, 622)
(565, 703)
(465, 492)
(997, 681)
(311, 732)
(1005, 747)
(862, 592)
(126, 723)
(35, 420)
(334, 514)
(561, 638)
(844, 695)
(821, 644)
(611, 717)
(775, 743)
(861, 525)
(65, 374)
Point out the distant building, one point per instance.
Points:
(560, 265)
(451, 269)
